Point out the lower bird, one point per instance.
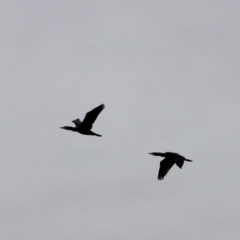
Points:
(168, 162)
(85, 126)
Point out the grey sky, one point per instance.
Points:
(168, 73)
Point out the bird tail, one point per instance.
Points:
(187, 160)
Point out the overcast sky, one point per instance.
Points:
(168, 74)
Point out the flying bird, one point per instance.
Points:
(85, 126)
(168, 162)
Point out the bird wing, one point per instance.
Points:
(165, 166)
(77, 122)
(92, 116)
(179, 160)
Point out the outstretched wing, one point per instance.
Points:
(179, 160)
(92, 116)
(165, 166)
(77, 122)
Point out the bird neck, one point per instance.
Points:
(159, 154)
(70, 128)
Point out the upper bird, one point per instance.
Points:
(168, 162)
(85, 126)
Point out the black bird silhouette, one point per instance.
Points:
(85, 126)
(168, 162)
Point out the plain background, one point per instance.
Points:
(168, 74)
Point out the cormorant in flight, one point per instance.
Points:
(85, 126)
(168, 162)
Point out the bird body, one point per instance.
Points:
(167, 163)
(85, 126)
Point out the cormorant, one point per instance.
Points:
(168, 162)
(85, 126)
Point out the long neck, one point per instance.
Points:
(159, 154)
(70, 128)
(187, 160)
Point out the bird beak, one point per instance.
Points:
(61, 127)
(150, 153)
